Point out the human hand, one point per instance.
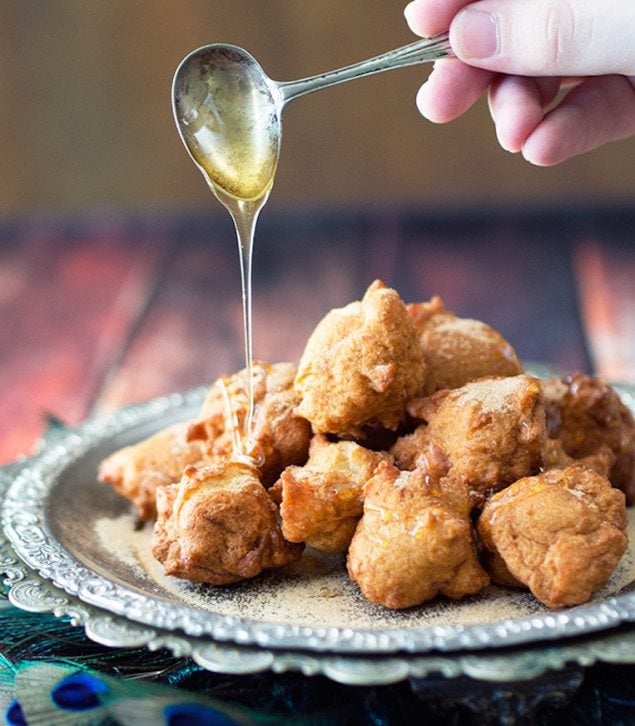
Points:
(523, 52)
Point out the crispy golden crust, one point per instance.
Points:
(322, 501)
(587, 416)
(361, 365)
(414, 541)
(561, 533)
(555, 457)
(280, 437)
(136, 471)
(218, 525)
(459, 350)
(491, 431)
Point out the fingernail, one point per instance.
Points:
(409, 12)
(409, 8)
(476, 34)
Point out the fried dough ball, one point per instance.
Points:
(218, 525)
(414, 540)
(323, 500)
(492, 432)
(586, 414)
(280, 437)
(459, 350)
(361, 365)
(136, 471)
(555, 457)
(561, 533)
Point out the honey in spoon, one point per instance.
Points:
(229, 121)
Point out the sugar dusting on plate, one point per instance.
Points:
(316, 590)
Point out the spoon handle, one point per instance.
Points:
(421, 51)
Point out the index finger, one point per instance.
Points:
(429, 17)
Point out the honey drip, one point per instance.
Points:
(231, 127)
(244, 214)
(231, 420)
(244, 448)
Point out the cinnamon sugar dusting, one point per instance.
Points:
(316, 590)
(493, 395)
(464, 326)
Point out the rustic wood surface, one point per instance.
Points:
(96, 312)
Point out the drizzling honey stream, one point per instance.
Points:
(231, 128)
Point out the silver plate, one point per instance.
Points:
(30, 592)
(33, 594)
(53, 504)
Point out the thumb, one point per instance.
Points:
(547, 37)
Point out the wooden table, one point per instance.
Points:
(100, 311)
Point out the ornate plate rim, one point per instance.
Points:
(30, 592)
(25, 526)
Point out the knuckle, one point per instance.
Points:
(563, 32)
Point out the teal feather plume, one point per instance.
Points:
(45, 665)
(7, 678)
(53, 694)
(60, 694)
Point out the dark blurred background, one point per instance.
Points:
(85, 116)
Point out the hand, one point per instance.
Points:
(524, 52)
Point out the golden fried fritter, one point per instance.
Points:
(218, 525)
(491, 431)
(555, 457)
(414, 540)
(280, 437)
(322, 501)
(459, 350)
(586, 414)
(561, 533)
(136, 471)
(361, 365)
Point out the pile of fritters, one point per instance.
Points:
(412, 440)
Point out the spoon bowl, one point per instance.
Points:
(228, 115)
(228, 111)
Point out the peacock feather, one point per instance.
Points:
(51, 674)
(59, 694)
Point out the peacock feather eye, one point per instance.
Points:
(79, 692)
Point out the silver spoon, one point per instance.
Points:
(228, 111)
